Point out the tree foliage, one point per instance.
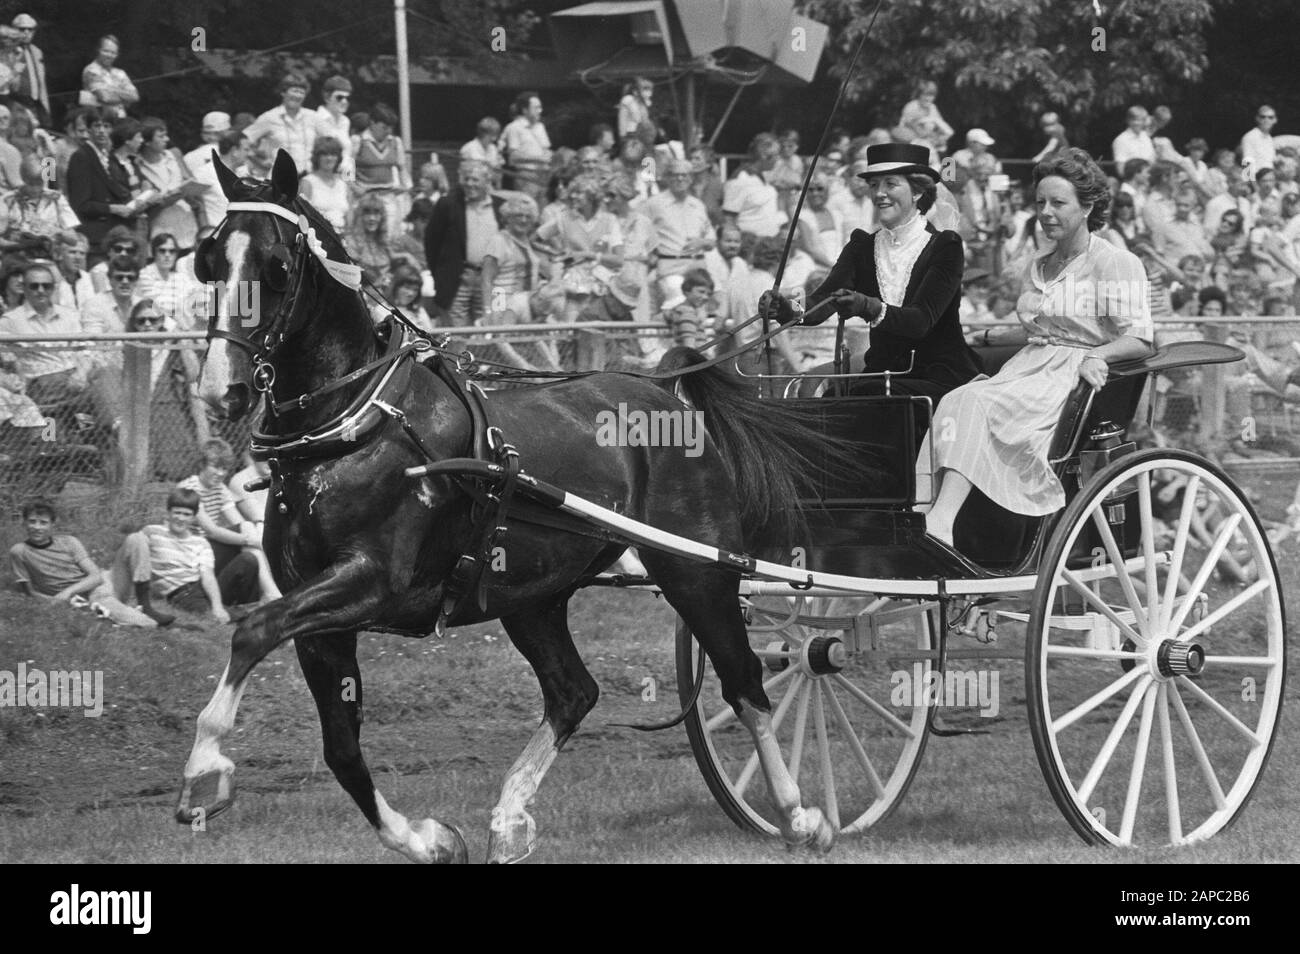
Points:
(1035, 54)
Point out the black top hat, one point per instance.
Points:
(900, 158)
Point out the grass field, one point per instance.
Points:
(444, 721)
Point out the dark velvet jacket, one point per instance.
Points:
(927, 322)
(444, 244)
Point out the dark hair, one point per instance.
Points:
(1212, 293)
(325, 146)
(383, 113)
(520, 105)
(292, 80)
(927, 189)
(767, 253)
(75, 113)
(1077, 168)
(360, 122)
(336, 84)
(158, 239)
(41, 507)
(230, 141)
(696, 278)
(151, 125)
(183, 498)
(1162, 173)
(488, 124)
(142, 305)
(217, 452)
(1263, 172)
(1132, 168)
(123, 263)
(123, 130)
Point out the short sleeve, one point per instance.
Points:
(17, 565)
(1123, 296)
(77, 550)
(733, 196)
(206, 558)
(498, 248)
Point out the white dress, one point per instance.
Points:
(997, 431)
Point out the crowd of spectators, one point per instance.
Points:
(99, 217)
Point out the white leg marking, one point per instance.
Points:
(799, 825)
(524, 777)
(214, 722)
(427, 841)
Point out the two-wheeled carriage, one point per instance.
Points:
(1153, 675)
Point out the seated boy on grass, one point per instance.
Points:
(55, 567)
(219, 519)
(171, 562)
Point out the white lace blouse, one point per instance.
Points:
(896, 253)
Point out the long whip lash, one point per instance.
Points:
(812, 167)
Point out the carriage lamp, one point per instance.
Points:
(1105, 445)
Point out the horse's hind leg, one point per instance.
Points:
(569, 693)
(329, 664)
(708, 600)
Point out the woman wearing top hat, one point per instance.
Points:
(904, 280)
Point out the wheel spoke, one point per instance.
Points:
(1171, 776)
(828, 767)
(1139, 768)
(1121, 572)
(1202, 759)
(1096, 603)
(1180, 549)
(800, 730)
(875, 706)
(1108, 747)
(1092, 702)
(1149, 546)
(842, 718)
(1259, 586)
(728, 714)
(1217, 706)
(1203, 574)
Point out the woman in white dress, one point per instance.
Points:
(1084, 305)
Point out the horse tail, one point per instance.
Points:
(772, 448)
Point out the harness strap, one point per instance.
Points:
(302, 400)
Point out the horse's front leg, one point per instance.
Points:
(341, 599)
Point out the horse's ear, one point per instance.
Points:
(228, 180)
(284, 176)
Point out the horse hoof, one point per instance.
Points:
(444, 844)
(205, 796)
(810, 828)
(510, 842)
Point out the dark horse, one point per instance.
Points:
(355, 544)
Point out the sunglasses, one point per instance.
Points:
(342, 97)
(816, 188)
(166, 251)
(39, 286)
(150, 320)
(124, 278)
(123, 248)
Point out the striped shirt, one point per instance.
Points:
(49, 570)
(176, 561)
(214, 499)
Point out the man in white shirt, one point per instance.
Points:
(73, 285)
(1257, 149)
(1135, 141)
(332, 121)
(730, 274)
(527, 147)
(977, 145)
(1237, 197)
(288, 126)
(682, 224)
(215, 125)
(232, 148)
(747, 200)
(854, 205)
(1182, 235)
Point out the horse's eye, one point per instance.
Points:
(276, 274)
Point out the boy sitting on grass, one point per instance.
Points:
(219, 519)
(170, 561)
(55, 568)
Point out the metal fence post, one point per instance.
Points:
(136, 362)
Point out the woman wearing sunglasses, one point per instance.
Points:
(175, 293)
(332, 121)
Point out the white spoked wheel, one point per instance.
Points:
(845, 733)
(1154, 691)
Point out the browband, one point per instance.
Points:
(345, 274)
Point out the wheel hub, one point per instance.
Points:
(824, 655)
(1179, 659)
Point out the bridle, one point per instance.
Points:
(294, 254)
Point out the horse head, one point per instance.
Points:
(263, 263)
